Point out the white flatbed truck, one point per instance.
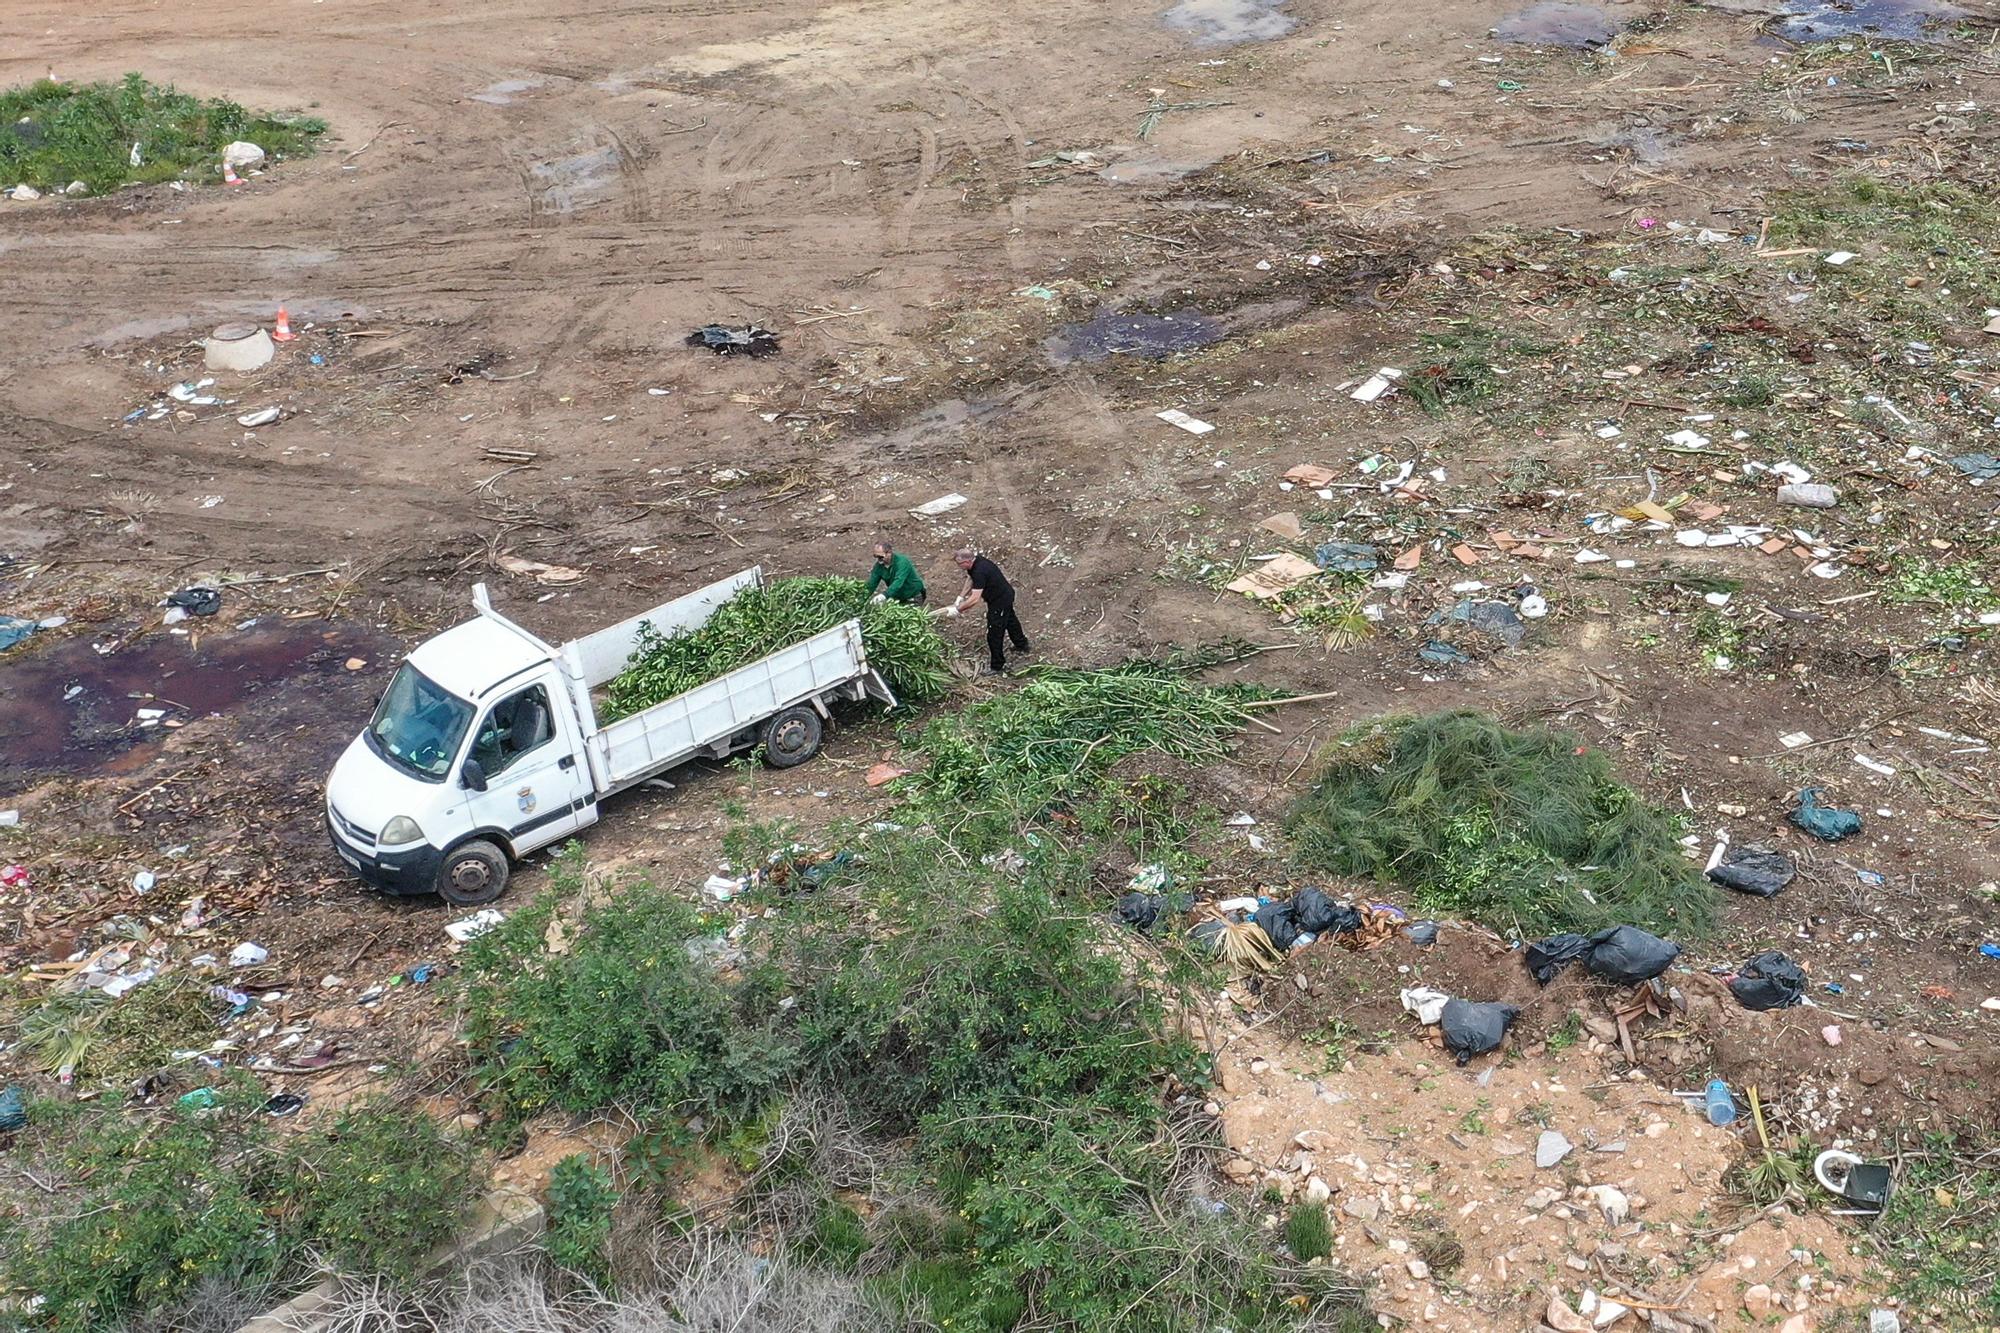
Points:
(486, 744)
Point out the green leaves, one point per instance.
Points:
(900, 641)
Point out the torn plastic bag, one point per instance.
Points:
(13, 1109)
(196, 601)
(1473, 1029)
(1768, 981)
(1426, 1003)
(1824, 821)
(1754, 869)
(1280, 923)
(1550, 956)
(1346, 557)
(1141, 910)
(750, 340)
(1316, 912)
(1423, 934)
(1628, 955)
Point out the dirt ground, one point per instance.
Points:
(995, 241)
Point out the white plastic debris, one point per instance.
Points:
(144, 881)
(10, 818)
(1377, 385)
(1808, 495)
(472, 927)
(1426, 1002)
(721, 887)
(1688, 439)
(1841, 258)
(263, 416)
(242, 154)
(247, 954)
(1875, 766)
(1534, 606)
(1173, 416)
(944, 504)
(1792, 740)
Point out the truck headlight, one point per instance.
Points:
(400, 830)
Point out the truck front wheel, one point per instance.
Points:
(473, 872)
(793, 737)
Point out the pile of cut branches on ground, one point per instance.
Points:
(901, 642)
(1527, 831)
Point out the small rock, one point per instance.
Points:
(1540, 1200)
(1609, 1313)
(1577, 1263)
(1260, 1066)
(470, 1122)
(1231, 1082)
(1237, 1169)
(1363, 1208)
(1551, 1148)
(1798, 1323)
(1758, 1299)
(1657, 1128)
(1318, 1191)
(1563, 1319)
(1418, 1269)
(242, 154)
(76, 187)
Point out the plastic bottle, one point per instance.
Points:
(1721, 1106)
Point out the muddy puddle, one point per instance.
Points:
(1893, 20)
(568, 183)
(1227, 22)
(1114, 333)
(65, 708)
(1557, 24)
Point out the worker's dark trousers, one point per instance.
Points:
(1002, 625)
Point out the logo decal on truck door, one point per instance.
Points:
(526, 798)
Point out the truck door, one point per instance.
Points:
(537, 785)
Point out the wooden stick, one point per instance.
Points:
(1295, 699)
(1260, 722)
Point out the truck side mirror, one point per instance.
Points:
(473, 775)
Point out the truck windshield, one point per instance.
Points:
(418, 726)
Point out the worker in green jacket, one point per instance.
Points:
(896, 576)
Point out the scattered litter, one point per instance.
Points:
(884, 772)
(1551, 1148)
(1624, 955)
(196, 601)
(284, 1104)
(1346, 557)
(1471, 1029)
(242, 154)
(1426, 1002)
(1824, 821)
(1141, 911)
(14, 877)
(474, 926)
(247, 954)
(1768, 981)
(722, 887)
(1285, 525)
(1495, 618)
(1875, 766)
(1979, 467)
(13, 629)
(1720, 1106)
(1173, 416)
(1792, 740)
(543, 573)
(1808, 495)
(750, 340)
(1275, 577)
(1831, 1034)
(1755, 870)
(144, 881)
(1313, 475)
(10, 818)
(1841, 258)
(1376, 385)
(263, 416)
(1439, 653)
(13, 1109)
(944, 504)
(1854, 1180)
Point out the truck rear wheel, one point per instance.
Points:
(473, 872)
(792, 737)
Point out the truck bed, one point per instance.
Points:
(596, 658)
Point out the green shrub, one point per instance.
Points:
(581, 1204)
(1308, 1234)
(634, 1013)
(54, 133)
(150, 1203)
(1525, 831)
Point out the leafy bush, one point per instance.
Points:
(581, 1203)
(1526, 831)
(634, 1013)
(151, 1204)
(54, 133)
(901, 642)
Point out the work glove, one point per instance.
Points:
(948, 612)
(879, 598)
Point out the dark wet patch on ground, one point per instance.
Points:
(1897, 20)
(1114, 333)
(1557, 24)
(1226, 22)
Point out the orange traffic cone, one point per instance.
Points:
(229, 176)
(283, 333)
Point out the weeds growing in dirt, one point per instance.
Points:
(1308, 1234)
(1524, 831)
(1940, 1233)
(1959, 585)
(581, 1201)
(106, 134)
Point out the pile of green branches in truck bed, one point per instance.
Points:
(901, 642)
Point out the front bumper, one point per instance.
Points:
(407, 872)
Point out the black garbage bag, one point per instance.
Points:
(1321, 915)
(1768, 981)
(1550, 956)
(1280, 921)
(196, 601)
(1141, 910)
(1422, 933)
(749, 340)
(1753, 869)
(1473, 1029)
(1628, 955)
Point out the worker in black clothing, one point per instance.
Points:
(985, 583)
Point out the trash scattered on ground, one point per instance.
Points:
(1823, 821)
(1285, 525)
(1768, 981)
(1623, 955)
(1808, 495)
(196, 601)
(1979, 467)
(1474, 1028)
(944, 504)
(474, 926)
(1346, 557)
(1381, 383)
(10, 818)
(1426, 1003)
(1439, 653)
(1718, 1104)
(1275, 577)
(14, 877)
(247, 954)
(263, 416)
(550, 575)
(1495, 618)
(284, 1104)
(1551, 1148)
(237, 348)
(1853, 1179)
(13, 629)
(1141, 910)
(13, 1109)
(748, 340)
(1754, 869)
(242, 153)
(1173, 416)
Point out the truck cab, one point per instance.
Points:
(475, 756)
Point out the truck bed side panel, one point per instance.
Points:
(672, 732)
(598, 657)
